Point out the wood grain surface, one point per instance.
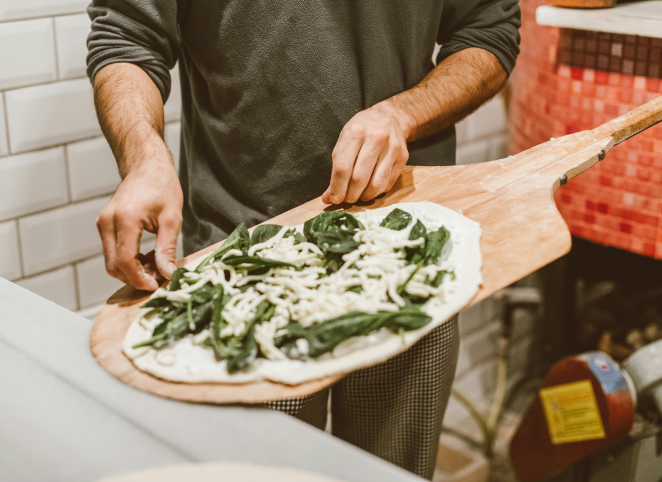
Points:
(511, 198)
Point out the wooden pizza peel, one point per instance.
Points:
(511, 198)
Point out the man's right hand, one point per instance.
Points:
(149, 198)
(130, 111)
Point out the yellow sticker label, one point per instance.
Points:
(572, 413)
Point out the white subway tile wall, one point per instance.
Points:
(27, 53)
(56, 173)
(172, 132)
(32, 182)
(92, 169)
(94, 285)
(57, 286)
(173, 108)
(10, 256)
(60, 236)
(71, 40)
(56, 170)
(50, 114)
(20, 9)
(4, 146)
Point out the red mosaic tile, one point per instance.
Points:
(649, 249)
(653, 85)
(618, 202)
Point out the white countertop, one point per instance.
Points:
(640, 18)
(63, 418)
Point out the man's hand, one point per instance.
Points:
(130, 111)
(147, 199)
(369, 156)
(371, 151)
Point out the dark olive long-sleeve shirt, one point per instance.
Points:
(268, 85)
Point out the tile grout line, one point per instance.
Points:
(6, 117)
(41, 17)
(67, 174)
(57, 57)
(21, 262)
(58, 206)
(44, 148)
(74, 267)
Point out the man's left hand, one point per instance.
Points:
(369, 156)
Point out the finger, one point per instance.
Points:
(166, 243)
(106, 228)
(381, 175)
(363, 169)
(149, 265)
(129, 232)
(397, 169)
(344, 155)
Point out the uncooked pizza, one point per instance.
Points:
(292, 304)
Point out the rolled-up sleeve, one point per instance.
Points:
(492, 25)
(140, 32)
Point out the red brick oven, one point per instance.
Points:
(571, 80)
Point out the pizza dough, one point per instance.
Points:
(188, 362)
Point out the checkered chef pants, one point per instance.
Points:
(393, 410)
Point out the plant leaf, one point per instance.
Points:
(256, 262)
(157, 303)
(249, 350)
(396, 220)
(176, 278)
(336, 241)
(264, 232)
(238, 239)
(298, 237)
(434, 244)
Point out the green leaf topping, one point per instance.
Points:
(238, 239)
(396, 220)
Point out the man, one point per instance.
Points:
(283, 101)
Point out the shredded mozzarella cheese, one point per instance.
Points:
(377, 269)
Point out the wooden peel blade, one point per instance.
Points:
(511, 198)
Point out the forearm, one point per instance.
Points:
(451, 91)
(130, 112)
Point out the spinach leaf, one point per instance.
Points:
(331, 221)
(434, 244)
(341, 242)
(157, 303)
(325, 336)
(202, 294)
(238, 239)
(396, 220)
(407, 320)
(174, 327)
(222, 348)
(264, 232)
(403, 286)
(166, 330)
(249, 349)
(415, 254)
(176, 278)
(298, 237)
(256, 262)
(436, 281)
(333, 233)
(417, 231)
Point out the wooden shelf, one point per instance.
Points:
(640, 18)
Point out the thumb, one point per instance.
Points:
(165, 251)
